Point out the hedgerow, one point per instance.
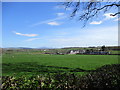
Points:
(107, 76)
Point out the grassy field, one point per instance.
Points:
(29, 64)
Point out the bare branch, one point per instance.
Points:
(90, 9)
(115, 14)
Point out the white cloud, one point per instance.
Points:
(28, 35)
(90, 37)
(69, 9)
(47, 21)
(32, 39)
(118, 19)
(60, 14)
(53, 23)
(63, 7)
(109, 16)
(59, 7)
(95, 22)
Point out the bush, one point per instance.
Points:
(105, 77)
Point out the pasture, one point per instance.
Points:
(34, 64)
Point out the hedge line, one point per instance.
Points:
(104, 77)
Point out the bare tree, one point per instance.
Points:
(89, 10)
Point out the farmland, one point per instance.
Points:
(34, 64)
(40, 69)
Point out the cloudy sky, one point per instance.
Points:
(48, 25)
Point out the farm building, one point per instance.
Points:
(99, 52)
(88, 52)
(76, 52)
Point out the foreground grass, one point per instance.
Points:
(20, 64)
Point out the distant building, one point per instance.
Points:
(98, 53)
(88, 52)
(76, 52)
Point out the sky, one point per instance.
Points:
(47, 24)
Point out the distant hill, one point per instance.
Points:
(17, 48)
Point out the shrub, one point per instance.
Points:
(107, 76)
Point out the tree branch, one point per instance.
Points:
(115, 14)
(91, 9)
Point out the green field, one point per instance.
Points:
(29, 64)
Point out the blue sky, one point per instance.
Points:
(46, 24)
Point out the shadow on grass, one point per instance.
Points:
(36, 68)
